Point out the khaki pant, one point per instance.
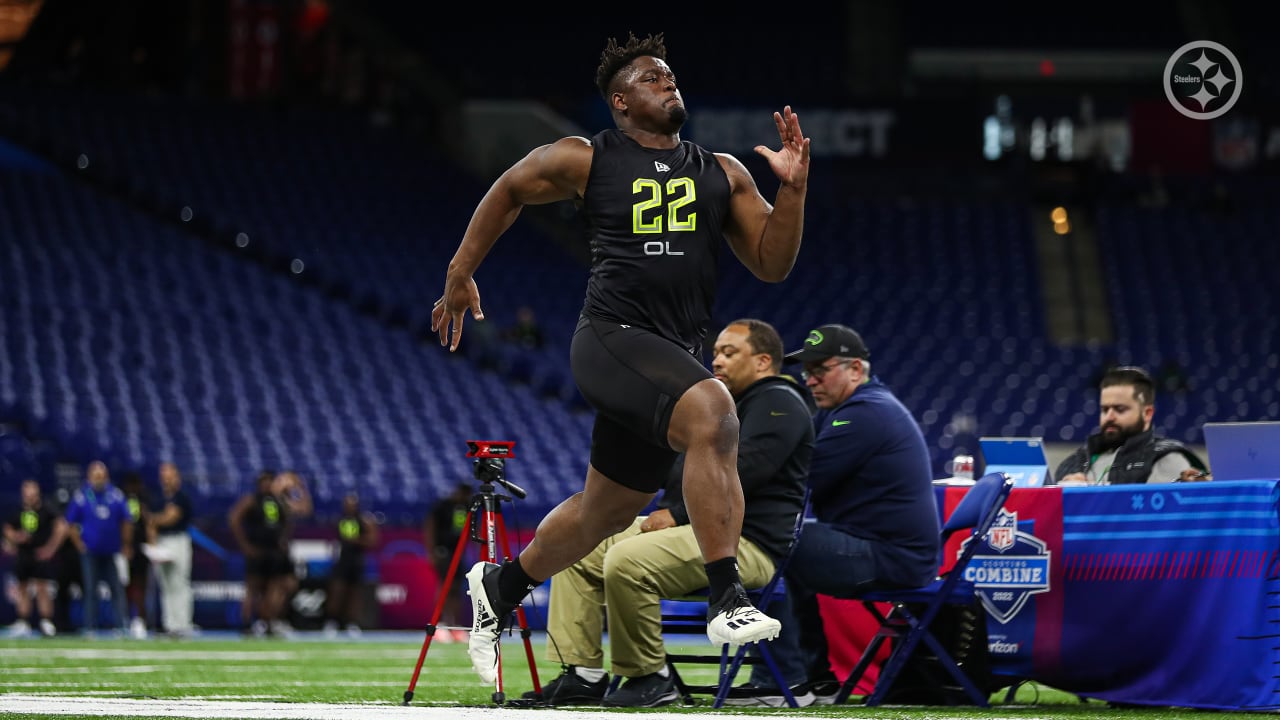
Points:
(627, 576)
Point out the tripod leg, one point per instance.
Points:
(525, 634)
(441, 599)
(491, 516)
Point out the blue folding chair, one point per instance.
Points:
(729, 664)
(914, 609)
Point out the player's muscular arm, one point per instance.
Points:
(764, 237)
(235, 520)
(769, 246)
(550, 173)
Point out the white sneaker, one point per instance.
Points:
(488, 621)
(734, 620)
(354, 631)
(331, 629)
(47, 628)
(138, 629)
(20, 628)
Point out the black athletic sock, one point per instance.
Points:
(721, 575)
(514, 583)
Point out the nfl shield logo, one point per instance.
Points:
(1015, 567)
(1003, 532)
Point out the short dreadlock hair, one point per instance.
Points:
(615, 57)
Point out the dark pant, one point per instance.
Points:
(95, 567)
(825, 560)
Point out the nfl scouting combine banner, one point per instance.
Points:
(1149, 594)
(1015, 569)
(1170, 595)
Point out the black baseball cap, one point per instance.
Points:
(830, 341)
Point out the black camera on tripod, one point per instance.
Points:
(491, 463)
(490, 470)
(485, 526)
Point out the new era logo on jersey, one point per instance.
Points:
(661, 166)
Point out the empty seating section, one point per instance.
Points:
(126, 336)
(946, 295)
(367, 211)
(1197, 288)
(128, 340)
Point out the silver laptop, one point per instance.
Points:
(1243, 450)
(1022, 458)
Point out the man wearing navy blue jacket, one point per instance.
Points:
(872, 498)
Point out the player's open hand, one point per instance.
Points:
(791, 163)
(460, 295)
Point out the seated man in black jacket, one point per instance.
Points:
(1124, 449)
(658, 557)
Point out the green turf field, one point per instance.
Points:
(376, 671)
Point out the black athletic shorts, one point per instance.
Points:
(29, 568)
(270, 563)
(138, 567)
(348, 569)
(633, 379)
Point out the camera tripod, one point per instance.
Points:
(486, 526)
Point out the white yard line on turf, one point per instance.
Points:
(74, 705)
(143, 653)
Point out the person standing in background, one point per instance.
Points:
(257, 523)
(101, 528)
(67, 571)
(171, 527)
(135, 588)
(446, 523)
(34, 532)
(294, 496)
(357, 534)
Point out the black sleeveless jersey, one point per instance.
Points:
(656, 219)
(350, 533)
(264, 521)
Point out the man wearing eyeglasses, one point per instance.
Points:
(872, 498)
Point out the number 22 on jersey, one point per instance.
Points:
(648, 216)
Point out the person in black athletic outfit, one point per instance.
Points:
(357, 535)
(259, 522)
(659, 210)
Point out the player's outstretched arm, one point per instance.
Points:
(766, 238)
(553, 172)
